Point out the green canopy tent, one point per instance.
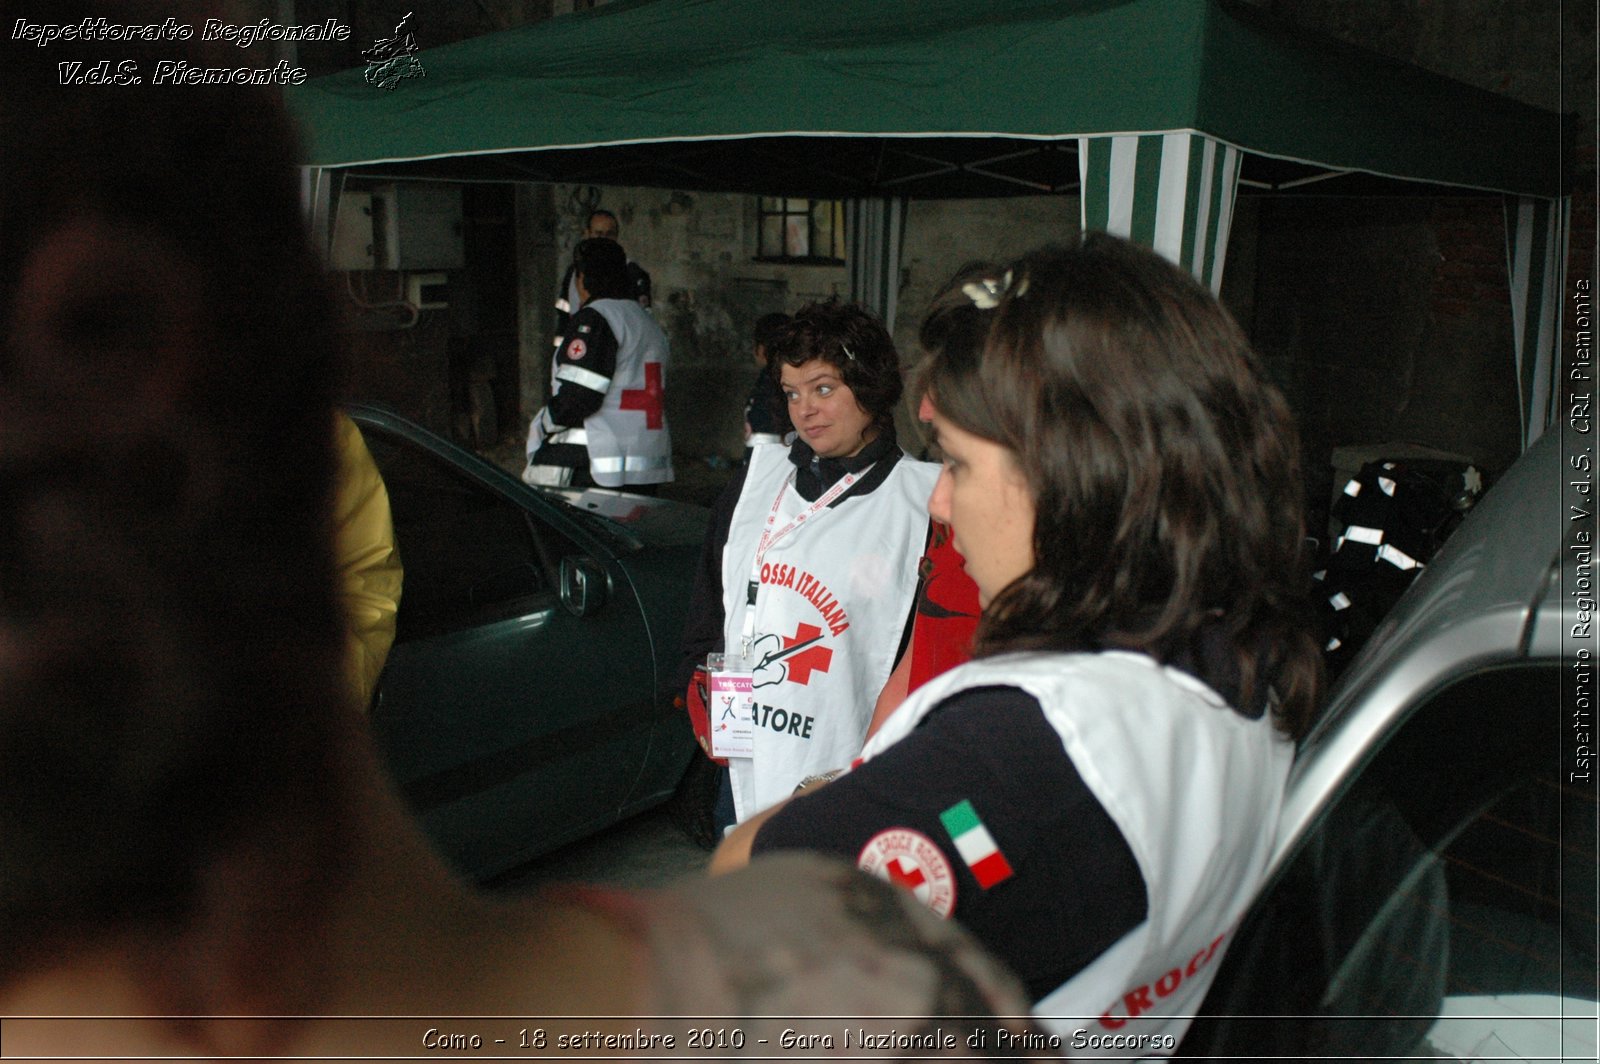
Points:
(1155, 112)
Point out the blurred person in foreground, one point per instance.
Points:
(195, 843)
(1094, 795)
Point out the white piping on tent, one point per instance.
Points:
(926, 135)
(1172, 194)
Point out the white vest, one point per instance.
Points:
(627, 437)
(1194, 788)
(845, 578)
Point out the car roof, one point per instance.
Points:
(1486, 599)
(630, 523)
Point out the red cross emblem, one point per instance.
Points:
(910, 860)
(647, 398)
(903, 873)
(802, 663)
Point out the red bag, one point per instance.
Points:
(695, 700)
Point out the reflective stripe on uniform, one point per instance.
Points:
(575, 436)
(633, 463)
(583, 378)
(547, 476)
(758, 438)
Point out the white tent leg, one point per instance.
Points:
(316, 200)
(874, 233)
(1536, 257)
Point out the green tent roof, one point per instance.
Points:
(915, 97)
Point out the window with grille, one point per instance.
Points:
(800, 231)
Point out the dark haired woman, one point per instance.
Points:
(605, 423)
(810, 567)
(1094, 795)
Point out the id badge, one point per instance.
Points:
(731, 706)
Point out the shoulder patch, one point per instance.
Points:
(911, 860)
(577, 349)
(975, 845)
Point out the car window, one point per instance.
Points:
(1445, 906)
(465, 547)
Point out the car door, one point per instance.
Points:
(1443, 907)
(511, 722)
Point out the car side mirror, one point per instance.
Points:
(584, 585)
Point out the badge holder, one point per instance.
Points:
(731, 706)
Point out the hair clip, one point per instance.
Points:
(851, 355)
(986, 294)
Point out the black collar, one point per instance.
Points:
(814, 475)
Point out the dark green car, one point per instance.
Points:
(525, 704)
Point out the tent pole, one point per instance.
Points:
(1173, 192)
(1537, 231)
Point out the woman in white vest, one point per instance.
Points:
(809, 573)
(606, 421)
(1095, 794)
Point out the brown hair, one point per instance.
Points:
(604, 266)
(850, 338)
(1163, 464)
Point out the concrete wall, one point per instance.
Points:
(1393, 317)
(1388, 322)
(709, 290)
(699, 249)
(1517, 49)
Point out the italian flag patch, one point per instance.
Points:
(975, 845)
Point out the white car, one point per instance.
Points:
(1434, 893)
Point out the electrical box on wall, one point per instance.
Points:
(352, 247)
(418, 226)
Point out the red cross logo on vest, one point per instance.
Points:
(647, 398)
(802, 663)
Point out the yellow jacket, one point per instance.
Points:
(367, 559)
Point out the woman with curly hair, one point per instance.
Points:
(809, 571)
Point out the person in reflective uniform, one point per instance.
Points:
(606, 422)
(1095, 793)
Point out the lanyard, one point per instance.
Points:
(771, 535)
